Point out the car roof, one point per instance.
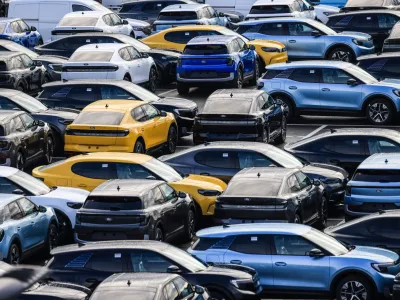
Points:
(382, 161)
(277, 19)
(236, 94)
(379, 55)
(7, 54)
(311, 64)
(102, 47)
(144, 1)
(184, 7)
(367, 11)
(125, 187)
(4, 20)
(119, 83)
(273, 2)
(115, 105)
(7, 115)
(254, 228)
(7, 198)
(264, 173)
(7, 171)
(82, 14)
(148, 281)
(134, 158)
(212, 40)
(111, 245)
(9, 92)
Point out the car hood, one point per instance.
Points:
(266, 43)
(164, 52)
(357, 35)
(55, 291)
(378, 255)
(227, 272)
(395, 83)
(137, 23)
(65, 113)
(325, 170)
(177, 102)
(200, 182)
(72, 194)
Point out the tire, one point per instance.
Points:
(2, 13)
(265, 136)
(183, 89)
(52, 236)
(348, 218)
(297, 219)
(190, 226)
(172, 140)
(40, 42)
(288, 106)
(354, 285)
(49, 151)
(237, 83)
(139, 147)
(132, 34)
(341, 54)
(323, 214)
(66, 235)
(282, 136)
(152, 84)
(217, 294)
(14, 254)
(256, 73)
(21, 88)
(20, 161)
(126, 78)
(379, 112)
(159, 234)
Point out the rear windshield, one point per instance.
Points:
(251, 188)
(205, 49)
(91, 56)
(357, 3)
(377, 175)
(113, 203)
(222, 106)
(132, 293)
(3, 66)
(177, 15)
(395, 34)
(99, 118)
(85, 21)
(270, 9)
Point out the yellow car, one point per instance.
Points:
(90, 170)
(176, 38)
(121, 126)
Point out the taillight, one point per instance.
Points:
(209, 193)
(179, 63)
(230, 61)
(348, 191)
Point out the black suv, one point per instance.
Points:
(89, 264)
(381, 66)
(135, 209)
(392, 43)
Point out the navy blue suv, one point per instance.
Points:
(217, 59)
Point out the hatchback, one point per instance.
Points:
(17, 30)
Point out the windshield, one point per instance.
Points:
(253, 188)
(29, 183)
(99, 118)
(205, 49)
(270, 9)
(163, 170)
(177, 15)
(285, 159)
(134, 42)
(29, 103)
(326, 242)
(185, 259)
(361, 74)
(84, 56)
(122, 294)
(141, 93)
(219, 106)
(226, 31)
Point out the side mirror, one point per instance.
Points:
(252, 47)
(33, 28)
(182, 195)
(173, 269)
(352, 81)
(316, 182)
(151, 177)
(42, 209)
(40, 123)
(316, 253)
(144, 55)
(315, 33)
(125, 22)
(18, 192)
(311, 8)
(38, 63)
(221, 14)
(163, 113)
(199, 290)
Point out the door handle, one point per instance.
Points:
(334, 161)
(292, 87)
(18, 228)
(205, 174)
(91, 280)
(82, 185)
(236, 261)
(142, 129)
(292, 41)
(280, 264)
(325, 90)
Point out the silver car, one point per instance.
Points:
(309, 39)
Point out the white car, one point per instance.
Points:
(322, 12)
(111, 61)
(64, 200)
(279, 8)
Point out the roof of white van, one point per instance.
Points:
(36, 1)
(273, 2)
(102, 47)
(82, 14)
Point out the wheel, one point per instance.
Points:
(182, 88)
(265, 136)
(2, 13)
(126, 78)
(348, 218)
(191, 225)
(139, 147)
(66, 235)
(256, 73)
(354, 287)
(152, 84)
(323, 214)
(14, 254)
(40, 42)
(379, 112)
(237, 83)
(132, 34)
(217, 294)
(172, 140)
(52, 235)
(287, 106)
(297, 219)
(20, 161)
(282, 136)
(159, 234)
(20, 87)
(342, 54)
(45, 79)
(49, 151)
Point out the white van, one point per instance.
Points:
(280, 8)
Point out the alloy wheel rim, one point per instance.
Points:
(20, 162)
(240, 80)
(296, 220)
(139, 148)
(14, 255)
(265, 136)
(283, 128)
(257, 72)
(324, 211)
(52, 238)
(341, 55)
(191, 224)
(49, 151)
(153, 79)
(379, 112)
(353, 290)
(172, 140)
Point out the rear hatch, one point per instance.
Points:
(88, 70)
(244, 207)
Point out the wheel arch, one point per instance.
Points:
(284, 94)
(377, 96)
(337, 45)
(58, 211)
(128, 75)
(139, 138)
(343, 274)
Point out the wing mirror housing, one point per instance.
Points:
(42, 209)
(163, 113)
(173, 269)
(33, 28)
(125, 22)
(221, 14)
(199, 290)
(316, 182)
(182, 195)
(315, 33)
(316, 253)
(352, 82)
(18, 192)
(40, 123)
(252, 47)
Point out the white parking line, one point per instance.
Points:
(315, 131)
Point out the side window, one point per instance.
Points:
(234, 45)
(184, 288)
(217, 159)
(151, 111)
(79, 93)
(292, 245)
(107, 19)
(168, 192)
(18, 125)
(326, 145)
(349, 145)
(7, 104)
(24, 27)
(212, 12)
(17, 62)
(146, 261)
(95, 170)
(138, 114)
(153, 7)
(364, 21)
(253, 160)
(77, 7)
(27, 61)
(300, 29)
(106, 261)
(7, 186)
(124, 53)
(206, 13)
(335, 76)
(387, 21)
(132, 171)
(4, 214)
(28, 120)
(15, 211)
(392, 67)
(27, 206)
(268, 101)
(274, 29)
(248, 28)
(293, 184)
(170, 291)
(180, 37)
(117, 21)
(305, 75)
(242, 44)
(133, 53)
(15, 27)
(251, 244)
(114, 92)
(387, 227)
(304, 181)
(155, 196)
(381, 145)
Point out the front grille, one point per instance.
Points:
(187, 113)
(204, 74)
(373, 207)
(147, 30)
(110, 220)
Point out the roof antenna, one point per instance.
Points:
(128, 283)
(386, 161)
(118, 188)
(258, 174)
(97, 46)
(106, 105)
(231, 95)
(83, 13)
(333, 130)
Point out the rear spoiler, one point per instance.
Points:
(356, 8)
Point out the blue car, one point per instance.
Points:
(25, 228)
(219, 59)
(332, 88)
(375, 186)
(294, 259)
(18, 31)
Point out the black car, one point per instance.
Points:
(52, 63)
(377, 23)
(260, 194)
(392, 43)
(18, 71)
(396, 288)
(79, 93)
(149, 286)
(353, 5)
(345, 148)
(23, 140)
(165, 60)
(135, 209)
(224, 159)
(58, 119)
(375, 230)
(383, 66)
(236, 114)
(89, 264)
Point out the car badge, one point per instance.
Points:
(379, 191)
(247, 199)
(203, 61)
(92, 128)
(109, 219)
(223, 116)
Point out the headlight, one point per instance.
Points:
(328, 13)
(382, 268)
(396, 92)
(56, 67)
(270, 49)
(357, 42)
(243, 284)
(74, 205)
(138, 28)
(209, 193)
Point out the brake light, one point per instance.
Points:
(230, 61)
(348, 191)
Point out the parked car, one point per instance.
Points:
(90, 170)
(24, 141)
(176, 38)
(147, 10)
(297, 35)
(248, 115)
(375, 230)
(26, 228)
(18, 71)
(383, 66)
(225, 159)
(165, 60)
(332, 88)
(377, 23)
(111, 61)
(77, 264)
(65, 201)
(121, 126)
(217, 60)
(258, 194)
(135, 209)
(262, 9)
(345, 148)
(188, 14)
(391, 44)
(57, 119)
(16, 30)
(353, 5)
(322, 11)
(79, 93)
(396, 288)
(294, 259)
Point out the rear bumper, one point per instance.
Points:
(359, 51)
(359, 210)
(256, 215)
(76, 148)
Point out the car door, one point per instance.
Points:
(146, 126)
(336, 92)
(31, 37)
(37, 220)
(271, 111)
(159, 131)
(119, 26)
(24, 74)
(294, 269)
(142, 62)
(21, 136)
(35, 135)
(385, 25)
(17, 32)
(247, 56)
(23, 225)
(254, 251)
(277, 31)
(89, 175)
(132, 66)
(310, 197)
(175, 206)
(301, 36)
(166, 210)
(35, 72)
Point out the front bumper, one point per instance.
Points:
(71, 149)
(360, 50)
(246, 295)
(205, 80)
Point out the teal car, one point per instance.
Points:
(17, 30)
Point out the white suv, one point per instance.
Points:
(111, 61)
(280, 8)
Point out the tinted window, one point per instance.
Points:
(305, 75)
(292, 245)
(270, 9)
(139, 115)
(300, 29)
(3, 66)
(177, 15)
(77, 7)
(15, 27)
(217, 159)
(81, 21)
(335, 76)
(225, 105)
(78, 93)
(205, 49)
(113, 92)
(129, 7)
(274, 29)
(249, 188)
(304, 181)
(387, 21)
(106, 261)
(253, 160)
(180, 37)
(151, 111)
(251, 244)
(82, 56)
(99, 118)
(113, 203)
(132, 171)
(28, 120)
(133, 53)
(381, 145)
(27, 206)
(364, 21)
(146, 261)
(377, 175)
(268, 101)
(7, 104)
(170, 291)
(107, 19)
(184, 288)
(270, 74)
(7, 186)
(387, 227)
(154, 7)
(393, 66)
(15, 211)
(95, 170)
(248, 28)
(154, 197)
(125, 54)
(349, 145)
(205, 243)
(168, 192)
